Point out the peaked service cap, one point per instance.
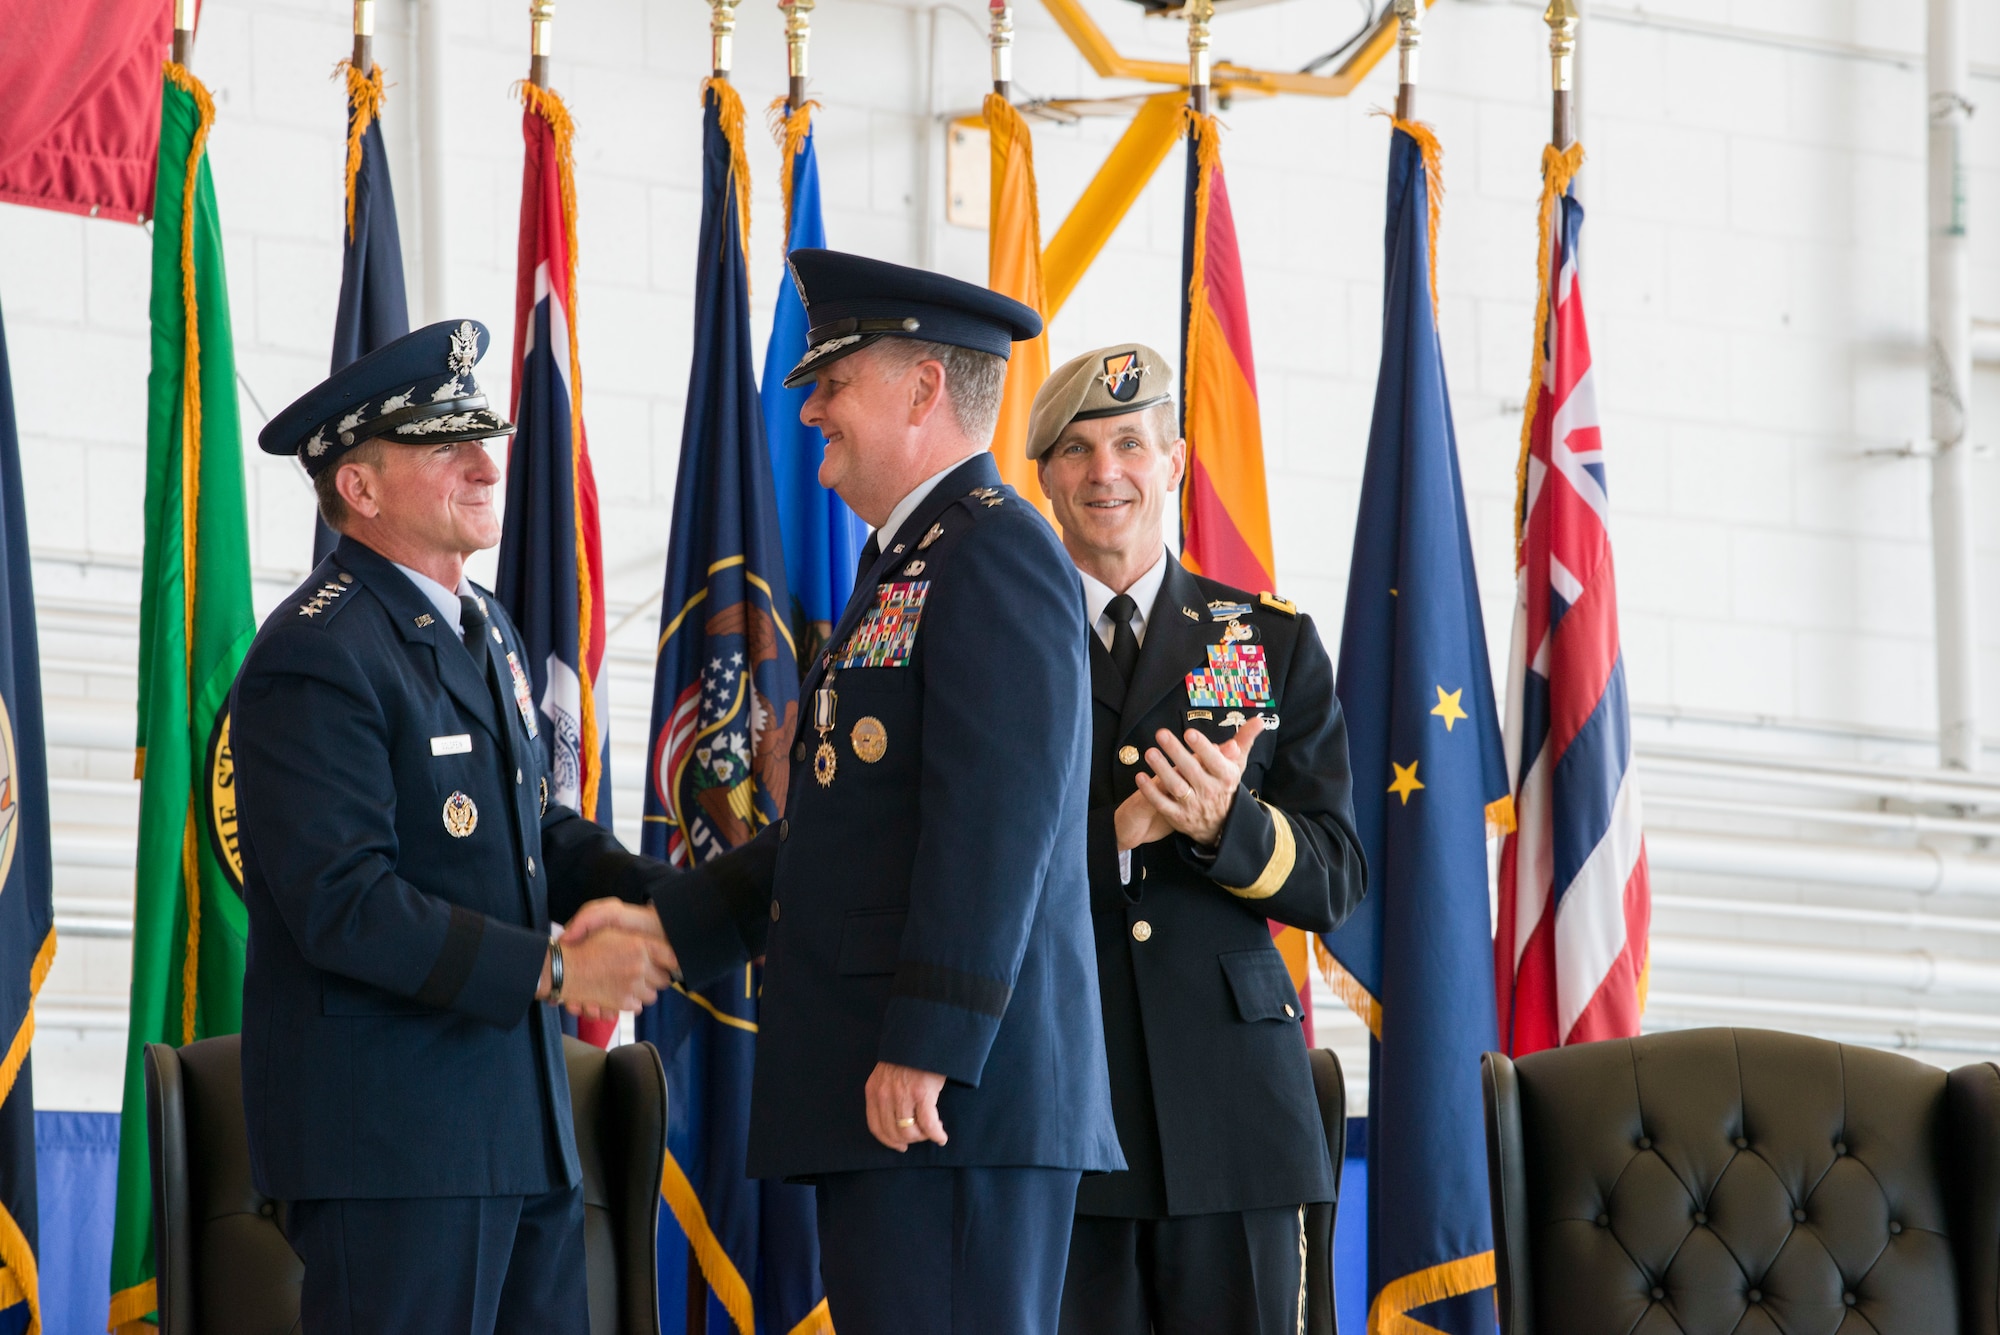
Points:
(852, 301)
(1110, 382)
(417, 390)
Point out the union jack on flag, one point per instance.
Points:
(1570, 949)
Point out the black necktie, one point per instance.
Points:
(473, 625)
(871, 551)
(1124, 644)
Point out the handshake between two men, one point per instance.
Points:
(617, 958)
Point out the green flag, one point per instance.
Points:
(195, 624)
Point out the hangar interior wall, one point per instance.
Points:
(1754, 273)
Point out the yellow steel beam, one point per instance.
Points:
(1157, 127)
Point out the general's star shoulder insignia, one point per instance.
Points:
(1277, 604)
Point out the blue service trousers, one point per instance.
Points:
(483, 1265)
(945, 1251)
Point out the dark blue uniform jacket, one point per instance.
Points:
(929, 905)
(1209, 1079)
(392, 1046)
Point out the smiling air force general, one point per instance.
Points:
(1219, 799)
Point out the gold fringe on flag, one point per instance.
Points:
(180, 77)
(1387, 1315)
(545, 102)
(819, 1321)
(20, 1279)
(1433, 153)
(364, 104)
(789, 129)
(1349, 989)
(729, 106)
(1559, 168)
(709, 1254)
(1207, 134)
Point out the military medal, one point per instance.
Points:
(461, 817)
(825, 701)
(870, 739)
(524, 696)
(1239, 632)
(545, 794)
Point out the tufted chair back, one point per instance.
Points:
(1736, 1180)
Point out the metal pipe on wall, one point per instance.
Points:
(1949, 75)
(1924, 870)
(430, 155)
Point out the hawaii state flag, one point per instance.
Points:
(1225, 517)
(822, 537)
(1415, 960)
(551, 577)
(725, 706)
(1569, 950)
(374, 306)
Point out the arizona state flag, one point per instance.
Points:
(1014, 267)
(1415, 960)
(374, 306)
(1225, 518)
(822, 537)
(551, 578)
(195, 623)
(725, 705)
(27, 917)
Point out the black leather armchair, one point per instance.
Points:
(1737, 1180)
(1330, 1085)
(223, 1263)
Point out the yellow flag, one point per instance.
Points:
(1014, 268)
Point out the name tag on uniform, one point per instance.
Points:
(458, 744)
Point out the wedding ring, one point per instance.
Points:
(906, 1121)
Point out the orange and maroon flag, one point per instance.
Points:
(1014, 267)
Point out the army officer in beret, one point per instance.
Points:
(1219, 801)
(403, 1078)
(929, 1053)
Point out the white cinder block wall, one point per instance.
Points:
(1753, 268)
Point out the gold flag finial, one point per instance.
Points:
(364, 35)
(1409, 41)
(722, 36)
(541, 40)
(798, 32)
(1200, 62)
(183, 30)
(1000, 36)
(1562, 16)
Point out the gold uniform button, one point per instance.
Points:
(1128, 755)
(1142, 930)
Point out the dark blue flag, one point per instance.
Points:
(1424, 740)
(374, 307)
(725, 706)
(27, 916)
(823, 538)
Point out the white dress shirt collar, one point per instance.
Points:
(908, 505)
(1097, 595)
(441, 598)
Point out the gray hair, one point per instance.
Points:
(973, 380)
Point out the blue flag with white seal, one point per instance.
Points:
(1416, 959)
(27, 911)
(725, 706)
(374, 304)
(823, 538)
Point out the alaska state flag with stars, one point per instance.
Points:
(1416, 959)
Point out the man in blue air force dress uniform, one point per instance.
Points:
(1219, 799)
(403, 1076)
(930, 1054)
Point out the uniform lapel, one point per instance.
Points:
(978, 471)
(1176, 644)
(407, 607)
(1106, 684)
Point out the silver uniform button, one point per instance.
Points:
(531, 866)
(517, 776)
(1142, 930)
(1290, 1013)
(774, 910)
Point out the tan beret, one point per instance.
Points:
(1109, 382)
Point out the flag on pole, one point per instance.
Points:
(551, 578)
(725, 705)
(374, 307)
(822, 537)
(1424, 741)
(1569, 949)
(1225, 517)
(27, 915)
(1014, 268)
(195, 623)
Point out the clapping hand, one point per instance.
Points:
(615, 958)
(1191, 789)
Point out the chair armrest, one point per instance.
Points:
(1507, 1183)
(1972, 1111)
(173, 1230)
